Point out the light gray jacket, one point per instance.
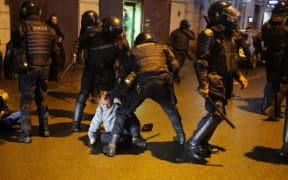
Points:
(107, 117)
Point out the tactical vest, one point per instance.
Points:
(274, 37)
(99, 50)
(39, 39)
(222, 56)
(150, 58)
(225, 56)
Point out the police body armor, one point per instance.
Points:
(38, 43)
(151, 63)
(222, 59)
(273, 35)
(94, 42)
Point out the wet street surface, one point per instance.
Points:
(250, 151)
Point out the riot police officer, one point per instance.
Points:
(8, 58)
(55, 68)
(179, 41)
(78, 52)
(10, 50)
(101, 53)
(274, 37)
(216, 67)
(151, 64)
(33, 71)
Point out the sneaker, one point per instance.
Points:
(24, 138)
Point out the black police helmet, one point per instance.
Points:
(28, 8)
(184, 24)
(280, 9)
(89, 18)
(112, 26)
(143, 37)
(222, 12)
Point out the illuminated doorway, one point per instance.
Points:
(132, 18)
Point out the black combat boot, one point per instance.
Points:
(110, 149)
(78, 112)
(206, 148)
(44, 128)
(266, 106)
(180, 135)
(43, 121)
(175, 119)
(193, 145)
(139, 141)
(284, 149)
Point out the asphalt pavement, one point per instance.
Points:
(250, 151)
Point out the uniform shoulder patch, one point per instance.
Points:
(208, 32)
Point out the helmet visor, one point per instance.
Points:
(232, 14)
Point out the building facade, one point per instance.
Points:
(159, 17)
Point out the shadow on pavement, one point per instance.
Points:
(168, 151)
(8, 133)
(266, 154)
(62, 95)
(60, 113)
(94, 149)
(60, 129)
(254, 104)
(175, 153)
(121, 150)
(56, 113)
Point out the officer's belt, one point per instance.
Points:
(102, 47)
(153, 73)
(180, 49)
